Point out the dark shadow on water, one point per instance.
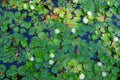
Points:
(55, 2)
(29, 37)
(77, 7)
(10, 64)
(4, 9)
(115, 21)
(13, 21)
(10, 31)
(27, 19)
(43, 0)
(13, 10)
(95, 57)
(47, 31)
(23, 11)
(86, 36)
(95, 41)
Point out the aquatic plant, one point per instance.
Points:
(60, 40)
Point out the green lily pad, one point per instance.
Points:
(54, 69)
(2, 68)
(12, 71)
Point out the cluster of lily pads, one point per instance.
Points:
(59, 39)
